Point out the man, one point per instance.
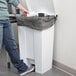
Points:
(7, 36)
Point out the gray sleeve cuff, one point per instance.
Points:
(14, 2)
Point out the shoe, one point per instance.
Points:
(30, 69)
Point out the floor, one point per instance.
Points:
(4, 71)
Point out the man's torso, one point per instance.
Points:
(3, 10)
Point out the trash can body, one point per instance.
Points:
(36, 47)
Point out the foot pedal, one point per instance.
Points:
(9, 65)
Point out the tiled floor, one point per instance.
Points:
(4, 71)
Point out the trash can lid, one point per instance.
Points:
(40, 6)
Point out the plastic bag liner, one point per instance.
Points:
(36, 22)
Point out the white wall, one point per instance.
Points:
(65, 32)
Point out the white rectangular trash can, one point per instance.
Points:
(36, 46)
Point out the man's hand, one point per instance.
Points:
(25, 12)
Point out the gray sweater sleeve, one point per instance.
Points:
(14, 2)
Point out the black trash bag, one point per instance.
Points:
(36, 22)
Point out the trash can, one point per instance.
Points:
(36, 35)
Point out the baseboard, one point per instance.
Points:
(65, 68)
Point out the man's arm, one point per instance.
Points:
(17, 4)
